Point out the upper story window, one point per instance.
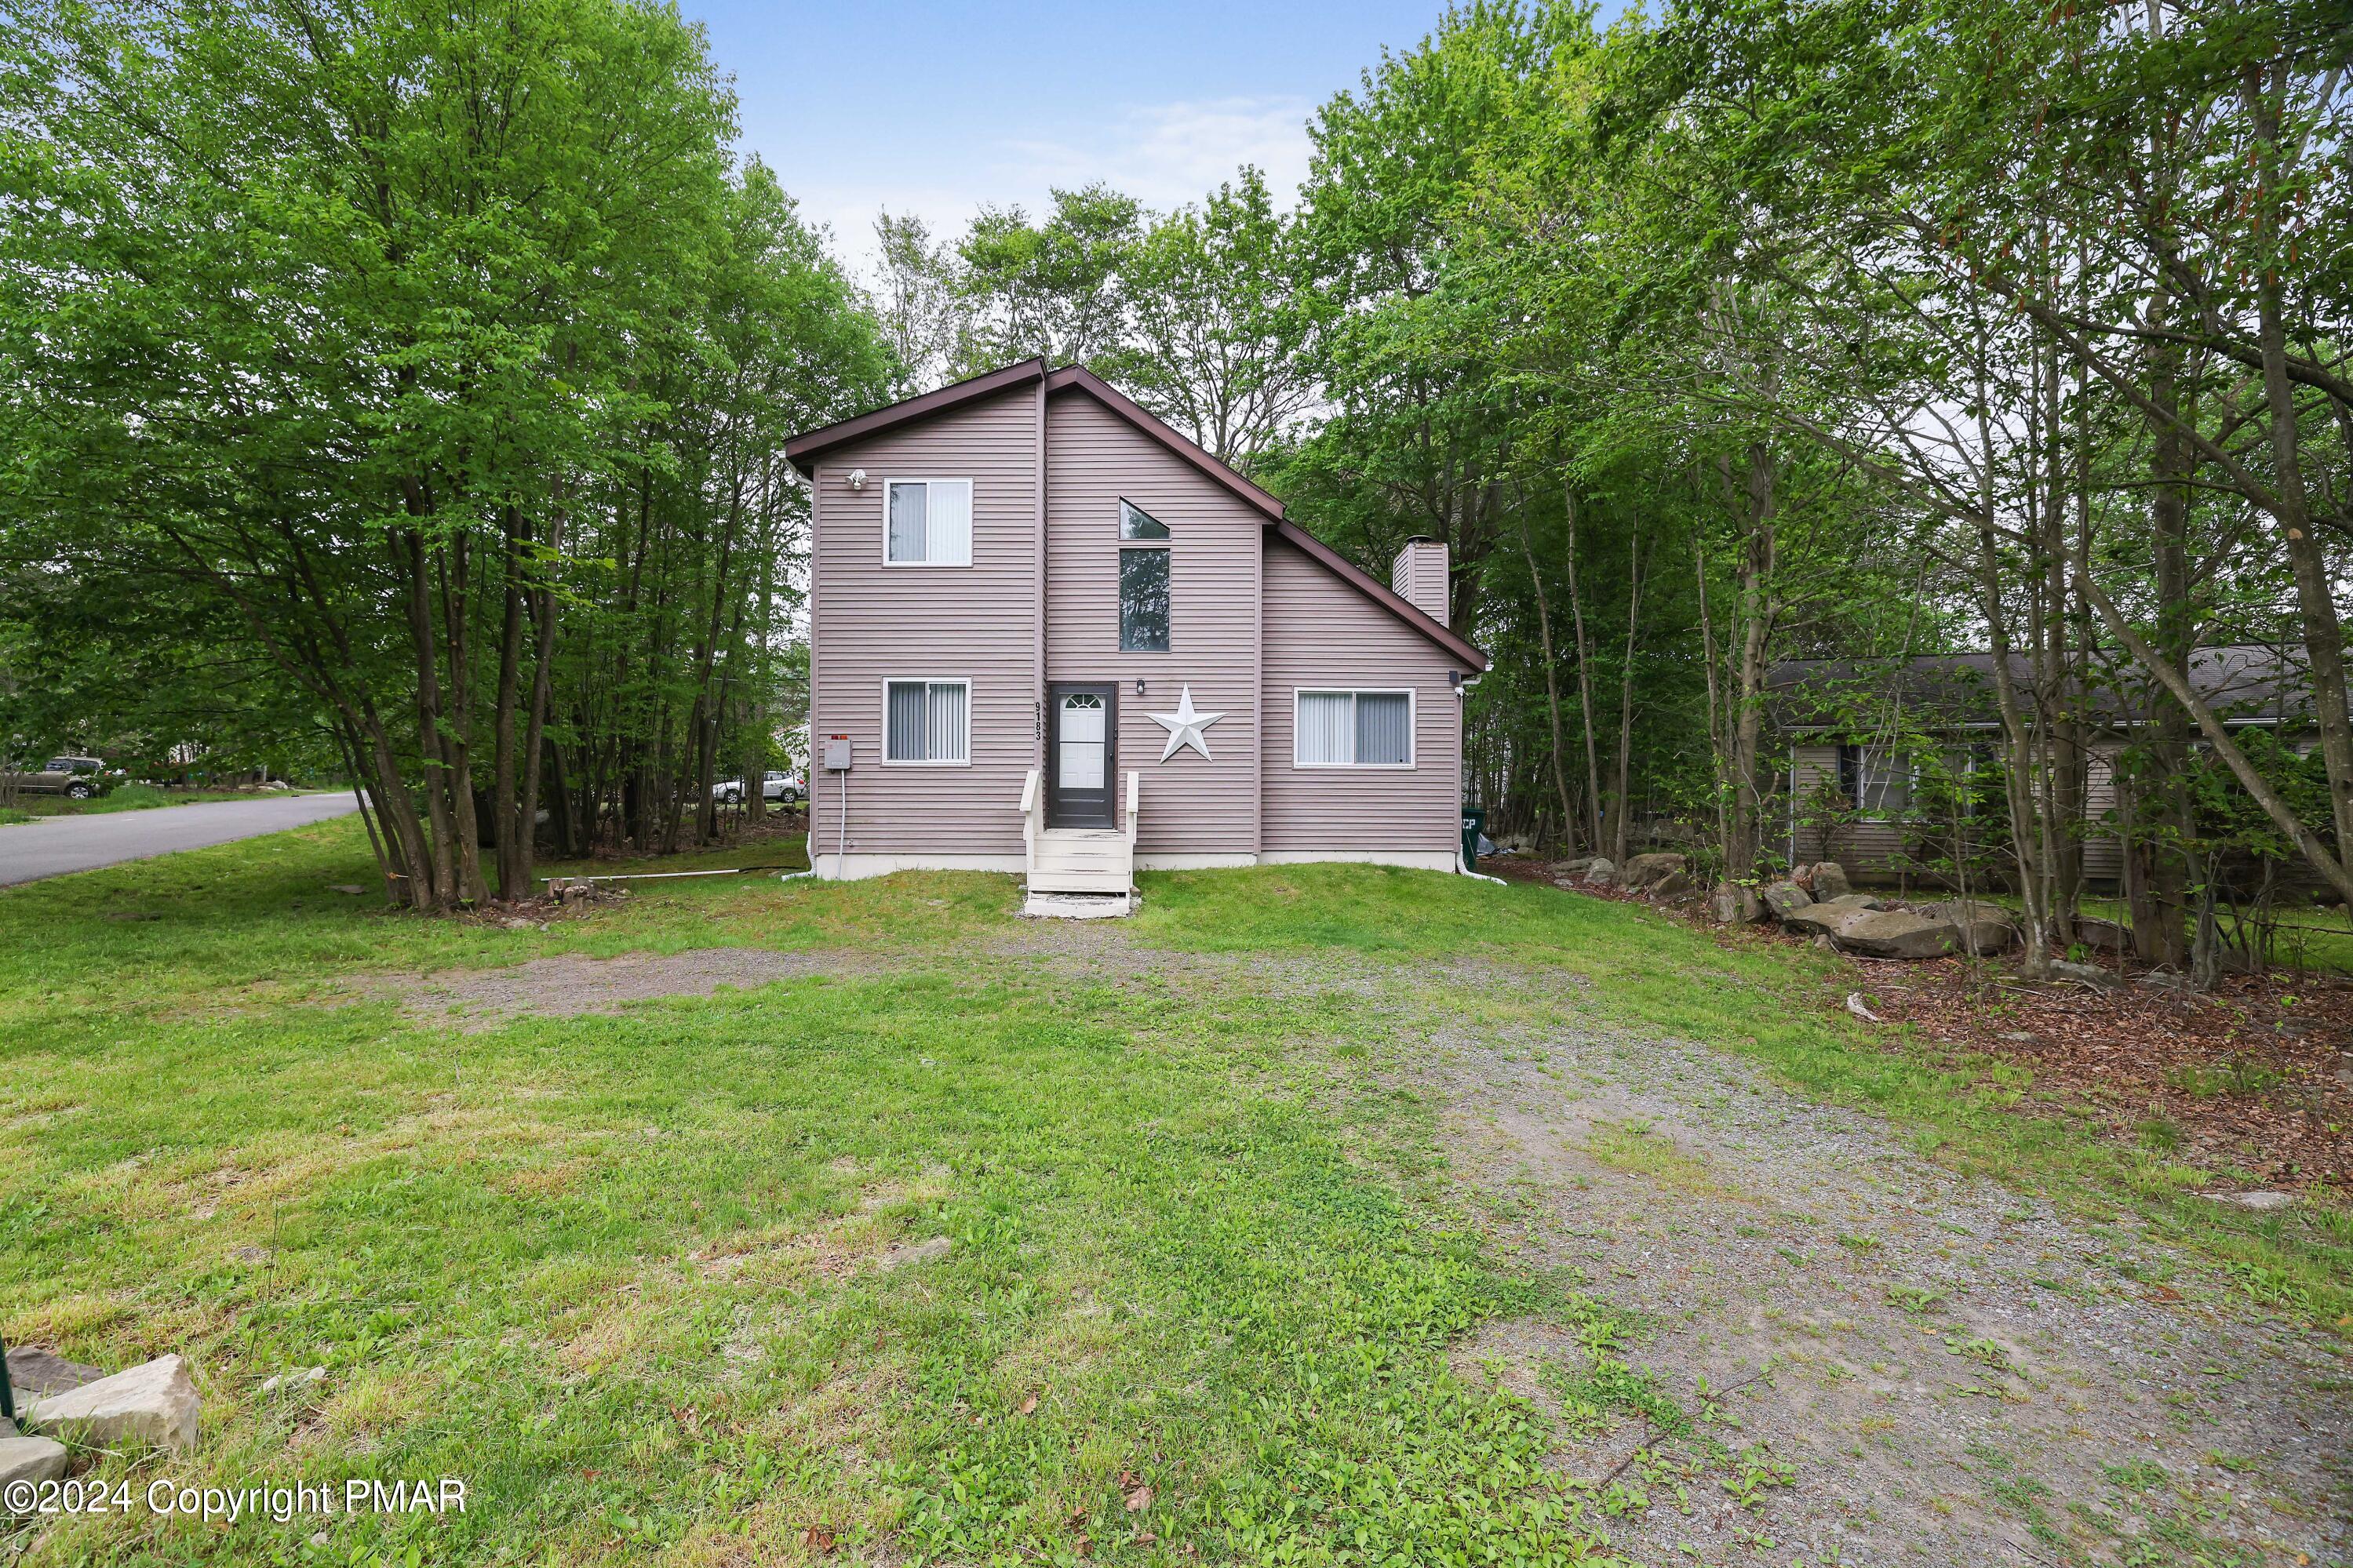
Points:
(930, 522)
(1143, 581)
(1353, 730)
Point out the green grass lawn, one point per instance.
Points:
(655, 1285)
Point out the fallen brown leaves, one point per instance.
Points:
(2254, 1078)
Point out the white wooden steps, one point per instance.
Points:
(1077, 873)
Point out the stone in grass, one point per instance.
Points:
(1985, 928)
(152, 1404)
(1643, 870)
(1733, 905)
(1824, 919)
(353, 889)
(1897, 933)
(1830, 881)
(2101, 936)
(1785, 899)
(2259, 1201)
(32, 1372)
(29, 1460)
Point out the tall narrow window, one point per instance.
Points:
(928, 522)
(927, 721)
(1143, 582)
(1353, 730)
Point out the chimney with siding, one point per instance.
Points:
(1419, 577)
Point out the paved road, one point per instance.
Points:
(52, 846)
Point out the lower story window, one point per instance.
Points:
(1354, 729)
(927, 721)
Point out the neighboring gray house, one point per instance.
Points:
(1052, 635)
(1841, 717)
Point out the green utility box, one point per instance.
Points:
(1475, 828)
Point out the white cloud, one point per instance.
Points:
(1174, 153)
(1165, 155)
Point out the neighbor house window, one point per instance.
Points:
(929, 523)
(927, 721)
(1887, 782)
(1143, 582)
(1353, 730)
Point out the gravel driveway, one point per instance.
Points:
(1950, 1373)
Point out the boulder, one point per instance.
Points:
(1733, 905)
(1829, 882)
(153, 1403)
(1563, 871)
(1601, 871)
(1897, 933)
(33, 1372)
(1985, 928)
(29, 1460)
(2088, 974)
(1784, 898)
(1674, 884)
(1646, 871)
(2103, 936)
(1824, 919)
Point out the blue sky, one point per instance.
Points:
(939, 108)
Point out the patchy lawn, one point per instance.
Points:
(740, 1220)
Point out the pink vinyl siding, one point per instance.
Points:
(1188, 805)
(871, 622)
(1324, 634)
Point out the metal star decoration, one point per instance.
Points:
(1184, 726)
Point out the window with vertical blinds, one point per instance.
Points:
(927, 523)
(1353, 730)
(927, 721)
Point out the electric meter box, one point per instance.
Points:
(837, 753)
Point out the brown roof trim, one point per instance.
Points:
(1078, 378)
(1291, 534)
(803, 450)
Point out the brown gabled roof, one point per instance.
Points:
(803, 451)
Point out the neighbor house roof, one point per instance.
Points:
(803, 451)
(2246, 683)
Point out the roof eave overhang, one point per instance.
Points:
(803, 450)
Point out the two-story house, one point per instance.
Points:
(1052, 635)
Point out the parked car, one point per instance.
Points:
(783, 787)
(77, 778)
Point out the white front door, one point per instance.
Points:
(1078, 790)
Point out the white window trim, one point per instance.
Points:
(882, 734)
(969, 524)
(1412, 728)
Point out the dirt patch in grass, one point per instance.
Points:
(568, 986)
